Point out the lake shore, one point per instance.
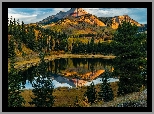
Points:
(64, 97)
(25, 64)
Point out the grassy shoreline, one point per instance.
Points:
(25, 64)
(65, 97)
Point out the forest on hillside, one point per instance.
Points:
(35, 38)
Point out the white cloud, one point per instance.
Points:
(138, 14)
(22, 16)
(36, 14)
(107, 12)
(57, 84)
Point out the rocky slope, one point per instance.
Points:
(61, 15)
(73, 12)
(115, 21)
(84, 24)
(118, 20)
(136, 99)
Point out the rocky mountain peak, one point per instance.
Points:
(76, 12)
(60, 15)
(72, 12)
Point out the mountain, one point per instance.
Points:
(75, 12)
(72, 12)
(74, 21)
(118, 20)
(115, 21)
(84, 24)
(77, 21)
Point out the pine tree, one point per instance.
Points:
(23, 32)
(106, 92)
(75, 48)
(11, 48)
(30, 38)
(130, 59)
(43, 87)
(91, 93)
(92, 45)
(14, 89)
(57, 46)
(14, 82)
(10, 26)
(14, 28)
(99, 47)
(88, 48)
(62, 45)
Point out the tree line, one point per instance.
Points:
(104, 48)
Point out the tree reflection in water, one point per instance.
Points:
(58, 68)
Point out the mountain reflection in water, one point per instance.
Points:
(59, 81)
(62, 72)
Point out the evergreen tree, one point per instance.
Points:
(57, 46)
(43, 87)
(39, 42)
(14, 28)
(11, 47)
(14, 88)
(91, 93)
(10, 26)
(75, 48)
(62, 45)
(23, 33)
(88, 48)
(19, 39)
(106, 92)
(30, 38)
(130, 59)
(99, 47)
(14, 83)
(92, 45)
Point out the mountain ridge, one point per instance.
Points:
(78, 12)
(72, 12)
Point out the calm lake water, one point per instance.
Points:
(59, 69)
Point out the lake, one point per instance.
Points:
(69, 72)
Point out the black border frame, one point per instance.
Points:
(6, 5)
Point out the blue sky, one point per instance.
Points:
(32, 15)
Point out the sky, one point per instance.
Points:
(32, 15)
